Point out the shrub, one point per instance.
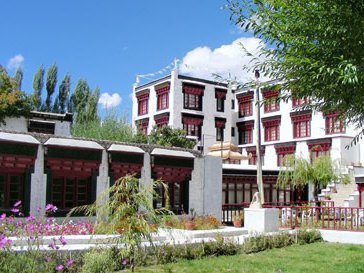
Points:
(99, 261)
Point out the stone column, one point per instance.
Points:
(38, 185)
(103, 179)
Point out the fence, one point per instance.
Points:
(304, 216)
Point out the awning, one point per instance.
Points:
(74, 143)
(173, 153)
(125, 149)
(18, 138)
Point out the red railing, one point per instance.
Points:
(304, 216)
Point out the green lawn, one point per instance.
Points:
(315, 258)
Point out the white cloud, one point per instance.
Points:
(15, 62)
(227, 60)
(108, 101)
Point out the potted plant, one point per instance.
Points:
(238, 218)
(189, 221)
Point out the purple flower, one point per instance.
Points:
(4, 241)
(62, 240)
(14, 210)
(17, 204)
(2, 216)
(59, 267)
(51, 208)
(69, 262)
(47, 259)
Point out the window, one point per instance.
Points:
(39, 126)
(70, 192)
(142, 126)
(251, 151)
(220, 95)
(143, 100)
(319, 148)
(299, 101)
(220, 126)
(271, 128)
(192, 96)
(219, 134)
(161, 120)
(245, 104)
(192, 125)
(283, 151)
(333, 125)
(11, 190)
(232, 104)
(270, 100)
(301, 125)
(162, 96)
(245, 132)
(232, 131)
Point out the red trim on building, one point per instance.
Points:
(246, 97)
(122, 169)
(193, 89)
(162, 89)
(142, 96)
(298, 117)
(192, 120)
(220, 93)
(220, 123)
(289, 149)
(161, 121)
(271, 121)
(80, 167)
(270, 93)
(253, 150)
(16, 163)
(319, 146)
(171, 174)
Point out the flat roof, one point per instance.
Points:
(125, 149)
(74, 143)
(12, 137)
(174, 153)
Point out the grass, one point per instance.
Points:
(317, 257)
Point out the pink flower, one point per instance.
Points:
(2, 216)
(14, 210)
(62, 240)
(17, 204)
(51, 208)
(69, 262)
(59, 267)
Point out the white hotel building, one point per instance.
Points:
(211, 111)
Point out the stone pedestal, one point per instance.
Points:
(261, 220)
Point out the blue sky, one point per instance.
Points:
(109, 42)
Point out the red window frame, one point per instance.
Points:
(245, 132)
(245, 104)
(69, 192)
(192, 96)
(220, 95)
(333, 125)
(319, 149)
(270, 100)
(299, 101)
(162, 101)
(142, 126)
(282, 152)
(11, 190)
(301, 125)
(253, 159)
(143, 101)
(162, 121)
(271, 133)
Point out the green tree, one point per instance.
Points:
(63, 94)
(169, 137)
(111, 128)
(79, 100)
(13, 102)
(314, 47)
(299, 172)
(51, 83)
(91, 107)
(18, 78)
(38, 83)
(128, 211)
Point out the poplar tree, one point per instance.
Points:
(50, 85)
(38, 83)
(18, 78)
(63, 93)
